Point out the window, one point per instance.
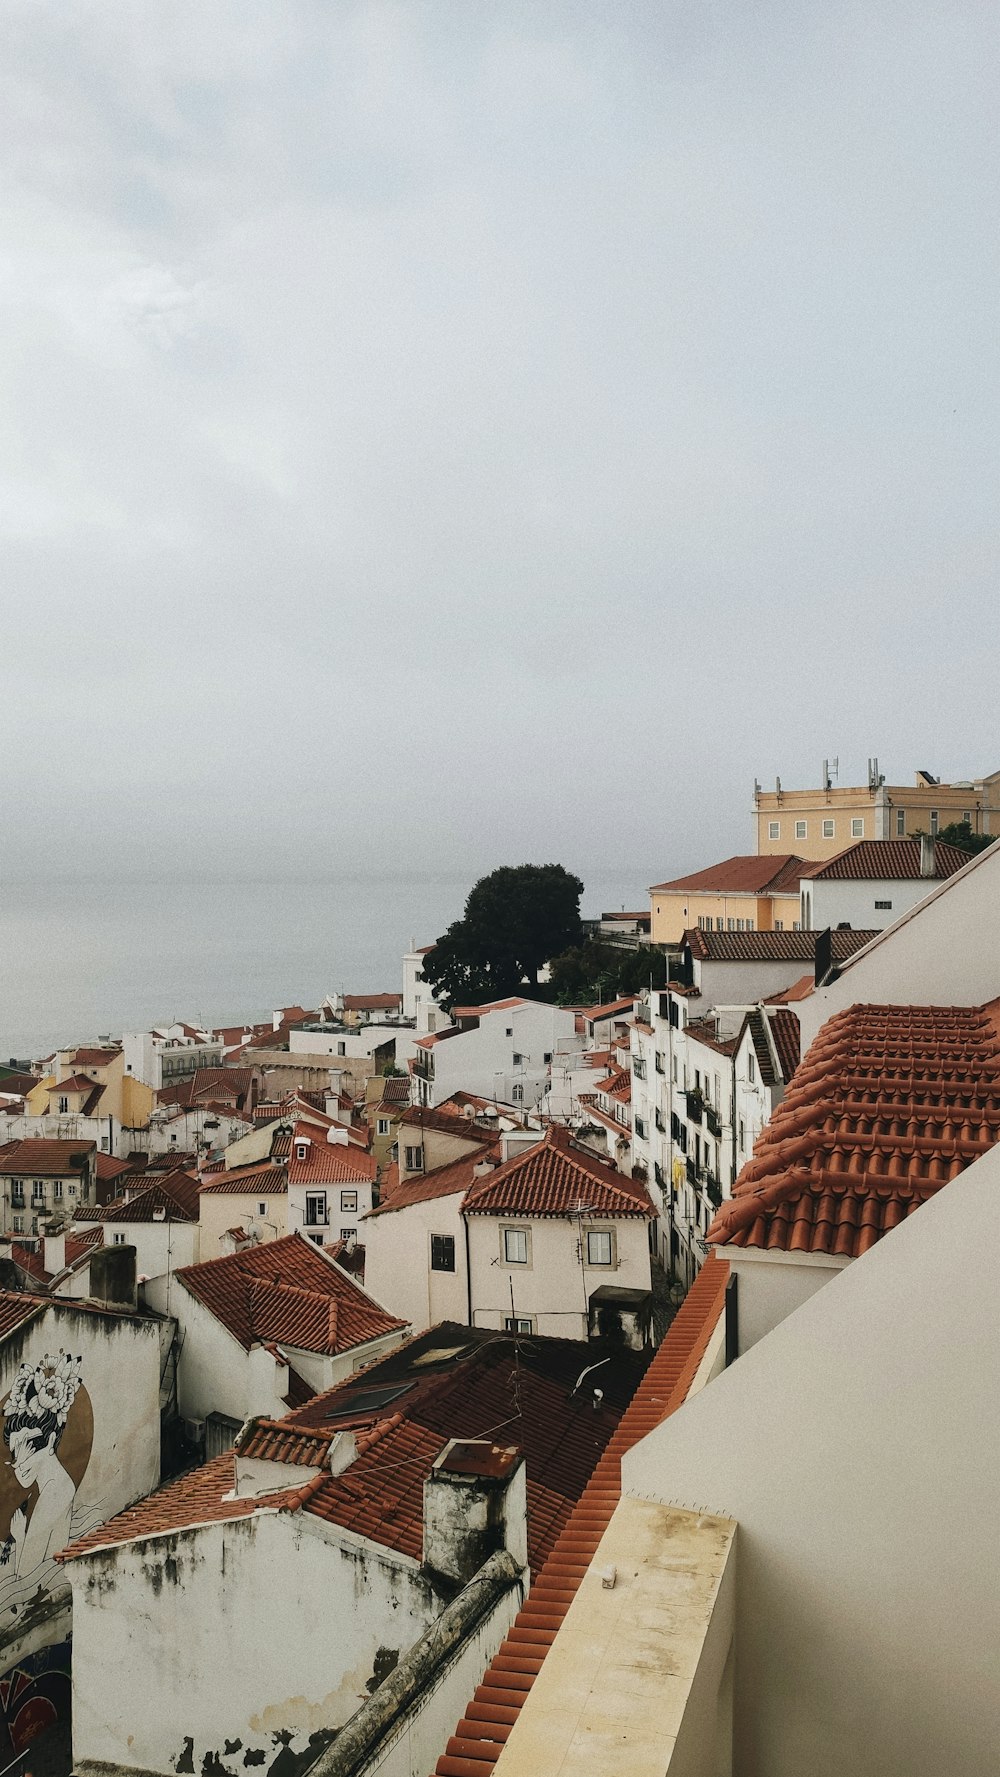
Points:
(967, 817)
(934, 820)
(510, 1030)
(342, 1048)
(800, 829)
(796, 925)
(517, 1060)
(518, 1323)
(315, 1209)
(348, 1202)
(751, 1069)
(262, 1209)
(18, 1224)
(442, 1252)
(858, 827)
(317, 1239)
(413, 1159)
(900, 823)
(348, 1234)
(599, 1247)
(517, 1094)
(883, 906)
(382, 1125)
(515, 1246)
(64, 1104)
(719, 924)
(639, 1067)
(730, 925)
(828, 829)
(72, 1190)
(640, 1128)
(779, 925)
(774, 829)
(57, 1189)
(118, 1240)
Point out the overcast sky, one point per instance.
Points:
(459, 433)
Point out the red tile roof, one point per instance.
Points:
(372, 1002)
(294, 1307)
(42, 1158)
(269, 1181)
(443, 1181)
(618, 1085)
(446, 1123)
(109, 1168)
(173, 1198)
(15, 1308)
(615, 1009)
(755, 947)
(887, 860)
(276, 1440)
(73, 1083)
(742, 875)
(556, 1177)
(453, 1382)
(94, 1057)
(483, 1731)
(787, 1035)
(889, 1104)
(329, 1163)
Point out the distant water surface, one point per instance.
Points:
(85, 958)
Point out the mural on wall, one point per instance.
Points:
(48, 1432)
(34, 1695)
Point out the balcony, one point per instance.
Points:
(692, 1172)
(713, 1120)
(695, 1106)
(660, 1124)
(713, 1191)
(316, 1220)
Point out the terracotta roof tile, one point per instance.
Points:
(295, 1307)
(43, 1158)
(268, 1180)
(446, 1123)
(94, 1057)
(372, 1002)
(887, 860)
(742, 875)
(787, 1035)
(495, 1385)
(726, 947)
(555, 1178)
(499, 1697)
(889, 1104)
(173, 1198)
(329, 1163)
(443, 1181)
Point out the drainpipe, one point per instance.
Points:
(468, 1271)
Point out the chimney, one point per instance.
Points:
(113, 1282)
(475, 1503)
(928, 855)
(54, 1253)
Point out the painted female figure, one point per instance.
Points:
(34, 1419)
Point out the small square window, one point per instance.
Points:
(348, 1202)
(345, 1234)
(774, 829)
(413, 1159)
(599, 1247)
(442, 1252)
(858, 827)
(828, 829)
(518, 1323)
(800, 829)
(515, 1246)
(118, 1240)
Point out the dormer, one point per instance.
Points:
(302, 1146)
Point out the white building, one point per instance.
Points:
(331, 1183)
(159, 1220)
(266, 1327)
(503, 1050)
(170, 1053)
(419, 1001)
(870, 884)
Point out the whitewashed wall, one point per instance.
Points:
(300, 1609)
(553, 1289)
(398, 1262)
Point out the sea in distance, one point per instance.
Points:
(86, 958)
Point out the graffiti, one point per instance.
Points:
(34, 1694)
(48, 1431)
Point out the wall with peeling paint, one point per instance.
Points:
(234, 1647)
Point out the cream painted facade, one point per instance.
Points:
(674, 911)
(854, 1446)
(821, 823)
(399, 1261)
(263, 1213)
(552, 1288)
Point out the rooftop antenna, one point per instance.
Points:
(831, 770)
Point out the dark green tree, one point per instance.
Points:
(515, 919)
(960, 833)
(594, 972)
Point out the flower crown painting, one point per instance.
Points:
(48, 1434)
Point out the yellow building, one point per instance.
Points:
(742, 894)
(91, 1083)
(820, 823)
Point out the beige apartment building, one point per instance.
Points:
(742, 894)
(820, 823)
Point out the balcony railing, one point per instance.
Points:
(695, 1105)
(692, 1172)
(660, 1124)
(713, 1191)
(713, 1120)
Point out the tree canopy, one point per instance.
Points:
(594, 972)
(515, 920)
(960, 833)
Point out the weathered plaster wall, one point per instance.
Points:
(228, 1648)
(551, 1289)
